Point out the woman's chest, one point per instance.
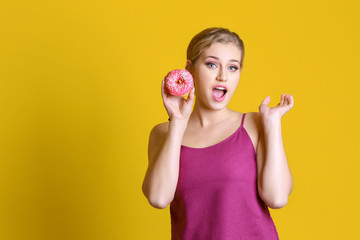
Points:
(230, 161)
(201, 138)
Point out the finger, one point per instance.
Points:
(282, 99)
(162, 87)
(291, 102)
(286, 100)
(264, 104)
(266, 100)
(191, 96)
(164, 91)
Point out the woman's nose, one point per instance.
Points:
(222, 75)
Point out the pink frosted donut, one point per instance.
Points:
(178, 82)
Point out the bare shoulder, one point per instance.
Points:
(159, 129)
(156, 139)
(157, 134)
(252, 125)
(253, 120)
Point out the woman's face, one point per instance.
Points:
(217, 74)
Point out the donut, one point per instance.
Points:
(178, 82)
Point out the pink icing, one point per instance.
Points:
(173, 84)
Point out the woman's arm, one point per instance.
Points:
(275, 181)
(163, 170)
(164, 150)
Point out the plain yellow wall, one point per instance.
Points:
(80, 92)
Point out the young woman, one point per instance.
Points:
(219, 169)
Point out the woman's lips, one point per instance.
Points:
(219, 92)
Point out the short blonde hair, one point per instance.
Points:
(213, 35)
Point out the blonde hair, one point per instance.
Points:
(213, 35)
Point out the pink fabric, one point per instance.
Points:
(216, 197)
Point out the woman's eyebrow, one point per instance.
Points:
(231, 60)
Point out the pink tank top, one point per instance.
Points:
(216, 196)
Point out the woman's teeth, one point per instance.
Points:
(220, 88)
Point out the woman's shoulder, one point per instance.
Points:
(159, 129)
(254, 116)
(252, 120)
(252, 125)
(156, 138)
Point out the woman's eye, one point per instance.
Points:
(210, 64)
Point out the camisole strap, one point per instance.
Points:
(242, 120)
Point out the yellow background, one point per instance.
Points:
(80, 92)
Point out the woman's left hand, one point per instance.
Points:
(275, 113)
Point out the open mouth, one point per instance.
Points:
(219, 93)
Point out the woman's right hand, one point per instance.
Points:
(177, 107)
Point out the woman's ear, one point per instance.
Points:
(188, 66)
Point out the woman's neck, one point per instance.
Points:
(204, 117)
